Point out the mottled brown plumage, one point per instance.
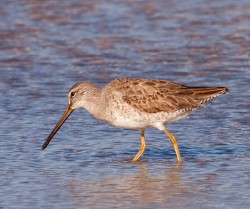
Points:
(138, 104)
(153, 96)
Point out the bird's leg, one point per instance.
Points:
(175, 145)
(142, 148)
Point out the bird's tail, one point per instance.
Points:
(204, 95)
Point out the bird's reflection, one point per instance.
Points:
(142, 189)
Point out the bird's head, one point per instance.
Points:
(79, 96)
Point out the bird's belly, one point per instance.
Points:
(143, 121)
(131, 124)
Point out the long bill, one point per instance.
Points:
(66, 114)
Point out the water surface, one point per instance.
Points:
(46, 46)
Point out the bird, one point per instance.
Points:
(139, 104)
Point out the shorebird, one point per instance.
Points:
(138, 104)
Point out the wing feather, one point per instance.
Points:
(152, 96)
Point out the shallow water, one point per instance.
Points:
(46, 46)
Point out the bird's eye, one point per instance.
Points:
(73, 94)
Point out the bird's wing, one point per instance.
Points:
(154, 96)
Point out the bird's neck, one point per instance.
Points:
(94, 104)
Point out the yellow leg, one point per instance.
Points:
(175, 145)
(142, 148)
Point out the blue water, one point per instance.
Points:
(47, 46)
